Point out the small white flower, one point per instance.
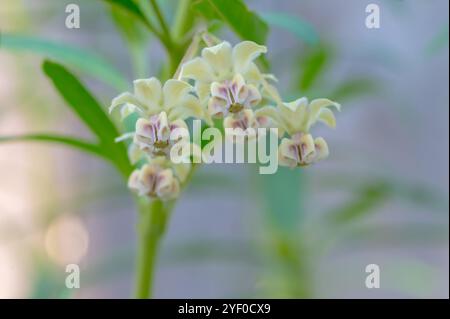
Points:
(221, 62)
(301, 150)
(299, 115)
(176, 98)
(226, 78)
(153, 135)
(154, 181)
(232, 96)
(249, 119)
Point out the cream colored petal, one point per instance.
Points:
(321, 146)
(163, 127)
(307, 147)
(178, 124)
(253, 74)
(253, 97)
(127, 109)
(125, 98)
(149, 92)
(182, 170)
(286, 156)
(123, 137)
(197, 69)
(174, 92)
(203, 92)
(293, 115)
(244, 53)
(133, 180)
(190, 106)
(319, 111)
(217, 107)
(167, 186)
(326, 116)
(134, 153)
(144, 128)
(219, 59)
(268, 117)
(219, 90)
(271, 92)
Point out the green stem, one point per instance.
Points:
(183, 20)
(161, 20)
(153, 218)
(152, 221)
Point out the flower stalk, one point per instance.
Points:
(152, 221)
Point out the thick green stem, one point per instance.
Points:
(152, 222)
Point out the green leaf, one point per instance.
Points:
(303, 30)
(365, 202)
(245, 23)
(131, 7)
(90, 112)
(353, 88)
(52, 138)
(312, 66)
(85, 61)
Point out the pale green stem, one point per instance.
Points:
(162, 21)
(183, 20)
(152, 222)
(153, 218)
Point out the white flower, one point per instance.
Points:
(154, 181)
(153, 135)
(301, 150)
(232, 96)
(226, 78)
(299, 115)
(221, 62)
(249, 119)
(176, 98)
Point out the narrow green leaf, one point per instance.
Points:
(90, 112)
(131, 7)
(312, 66)
(245, 23)
(52, 138)
(353, 88)
(366, 201)
(300, 28)
(85, 61)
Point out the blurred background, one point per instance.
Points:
(381, 197)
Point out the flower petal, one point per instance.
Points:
(293, 115)
(286, 154)
(125, 98)
(219, 59)
(174, 92)
(149, 92)
(321, 148)
(197, 69)
(244, 53)
(319, 111)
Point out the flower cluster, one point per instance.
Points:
(222, 83)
